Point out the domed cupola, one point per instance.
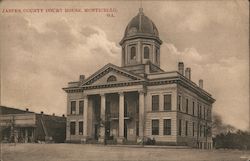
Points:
(141, 42)
(141, 25)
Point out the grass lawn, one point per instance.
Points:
(81, 152)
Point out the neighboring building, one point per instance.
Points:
(139, 99)
(24, 126)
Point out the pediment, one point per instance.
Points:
(111, 74)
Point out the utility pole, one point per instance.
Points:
(0, 83)
(1, 147)
(1, 153)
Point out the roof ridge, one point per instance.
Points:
(113, 66)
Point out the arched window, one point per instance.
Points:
(111, 79)
(146, 52)
(157, 55)
(123, 56)
(132, 53)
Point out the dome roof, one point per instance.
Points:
(141, 26)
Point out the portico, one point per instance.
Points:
(118, 116)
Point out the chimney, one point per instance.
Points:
(27, 109)
(53, 114)
(82, 78)
(201, 83)
(41, 112)
(188, 73)
(181, 67)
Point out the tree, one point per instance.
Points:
(227, 136)
(219, 127)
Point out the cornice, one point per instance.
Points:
(143, 36)
(160, 81)
(100, 86)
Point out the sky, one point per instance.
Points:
(42, 52)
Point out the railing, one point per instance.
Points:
(116, 115)
(128, 114)
(73, 84)
(113, 115)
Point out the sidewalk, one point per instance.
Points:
(150, 146)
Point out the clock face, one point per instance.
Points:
(132, 30)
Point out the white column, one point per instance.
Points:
(77, 127)
(153, 54)
(102, 128)
(68, 130)
(140, 57)
(141, 113)
(85, 117)
(26, 135)
(103, 106)
(32, 135)
(121, 117)
(161, 102)
(77, 107)
(123, 55)
(126, 55)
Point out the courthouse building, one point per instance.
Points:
(138, 99)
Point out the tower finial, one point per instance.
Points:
(141, 9)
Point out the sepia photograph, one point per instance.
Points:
(124, 80)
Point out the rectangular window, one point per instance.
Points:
(204, 112)
(201, 111)
(179, 103)
(198, 110)
(209, 131)
(179, 130)
(193, 128)
(167, 127)
(204, 131)
(81, 128)
(200, 130)
(186, 105)
(167, 102)
(72, 128)
(73, 107)
(155, 103)
(81, 106)
(137, 128)
(207, 114)
(155, 127)
(186, 129)
(193, 108)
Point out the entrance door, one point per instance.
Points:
(96, 131)
(107, 130)
(125, 130)
(126, 110)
